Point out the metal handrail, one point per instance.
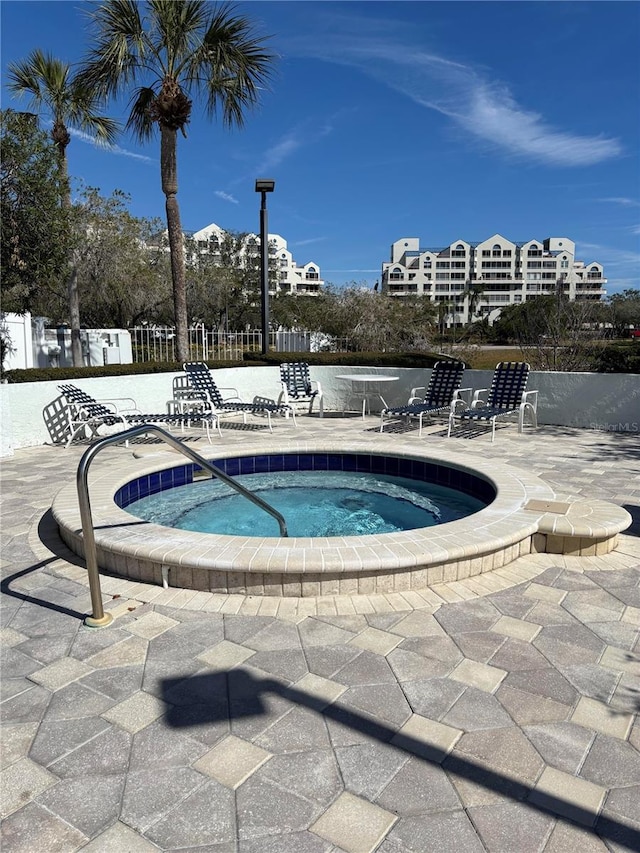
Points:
(100, 619)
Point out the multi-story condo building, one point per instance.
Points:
(290, 278)
(475, 280)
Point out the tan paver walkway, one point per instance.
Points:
(501, 715)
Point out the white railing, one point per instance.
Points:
(157, 343)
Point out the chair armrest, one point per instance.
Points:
(534, 399)
(415, 397)
(463, 394)
(461, 397)
(116, 401)
(234, 396)
(318, 386)
(477, 399)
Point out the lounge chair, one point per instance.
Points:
(507, 396)
(85, 413)
(298, 386)
(442, 394)
(204, 387)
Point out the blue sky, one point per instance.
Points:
(437, 120)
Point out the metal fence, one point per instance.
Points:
(157, 343)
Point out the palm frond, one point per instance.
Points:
(231, 65)
(119, 49)
(177, 27)
(140, 119)
(70, 103)
(43, 77)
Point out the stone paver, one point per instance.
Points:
(500, 715)
(354, 824)
(232, 761)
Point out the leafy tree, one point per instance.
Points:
(623, 311)
(473, 293)
(165, 51)
(123, 279)
(70, 103)
(34, 228)
(552, 332)
(368, 320)
(223, 278)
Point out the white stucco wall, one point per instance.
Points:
(585, 400)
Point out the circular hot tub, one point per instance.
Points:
(127, 546)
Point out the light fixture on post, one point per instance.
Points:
(264, 186)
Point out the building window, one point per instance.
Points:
(486, 253)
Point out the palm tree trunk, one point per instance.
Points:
(73, 298)
(169, 173)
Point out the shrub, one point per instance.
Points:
(618, 358)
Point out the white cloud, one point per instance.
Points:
(305, 133)
(483, 107)
(226, 197)
(608, 255)
(112, 149)
(309, 241)
(625, 202)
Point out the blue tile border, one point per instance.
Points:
(395, 466)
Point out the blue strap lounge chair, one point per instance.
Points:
(506, 397)
(299, 387)
(86, 414)
(442, 394)
(204, 387)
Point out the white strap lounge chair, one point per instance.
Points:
(299, 387)
(204, 387)
(442, 394)
(86, 414)
(506, 397)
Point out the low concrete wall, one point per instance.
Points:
(600, 401)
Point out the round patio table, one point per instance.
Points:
(368, 390)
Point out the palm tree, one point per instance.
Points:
(473, 293)
(165, 51)
(70, 104)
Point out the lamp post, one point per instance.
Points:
(264, 186)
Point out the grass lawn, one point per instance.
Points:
(486, 359)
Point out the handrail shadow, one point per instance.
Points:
(217, 696)
(5, 588)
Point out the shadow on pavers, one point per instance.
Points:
(234, 694)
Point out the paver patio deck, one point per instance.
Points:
(498, 713)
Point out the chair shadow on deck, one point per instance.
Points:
(223, 696)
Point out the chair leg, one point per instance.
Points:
(451, 417)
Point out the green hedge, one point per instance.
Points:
(63, 374)
(353, 359)
(251, 359)
(619, 358)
